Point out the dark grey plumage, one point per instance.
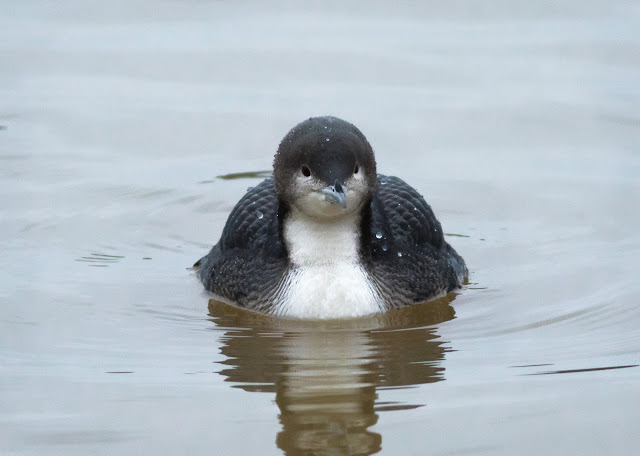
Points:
(248, 264)
(401, 245)
(404, 247)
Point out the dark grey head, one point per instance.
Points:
(325, 167)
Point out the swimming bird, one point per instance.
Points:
(328, 237)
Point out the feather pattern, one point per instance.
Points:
(402, 257)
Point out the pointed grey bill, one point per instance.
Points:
(335, 194)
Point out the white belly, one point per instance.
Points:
(326, 279)
(339, 290)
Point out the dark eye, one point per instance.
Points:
(355, 171)
(306, 172)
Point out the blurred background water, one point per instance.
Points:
(518, 121)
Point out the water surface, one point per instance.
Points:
(128, 130)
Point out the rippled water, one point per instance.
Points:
(518, 122)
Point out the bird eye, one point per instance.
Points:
(356, 169)
(306, 172)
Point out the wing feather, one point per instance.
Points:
(250, 256)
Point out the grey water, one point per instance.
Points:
(128, 130)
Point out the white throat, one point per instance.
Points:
(326, 279)
(312, 241)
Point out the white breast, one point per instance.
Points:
(326, 279)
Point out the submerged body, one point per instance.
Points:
(329, 238)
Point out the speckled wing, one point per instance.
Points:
(409, 257)
(247, 264)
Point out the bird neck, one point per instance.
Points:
(316, 241)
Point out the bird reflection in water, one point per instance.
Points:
(326, 374)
